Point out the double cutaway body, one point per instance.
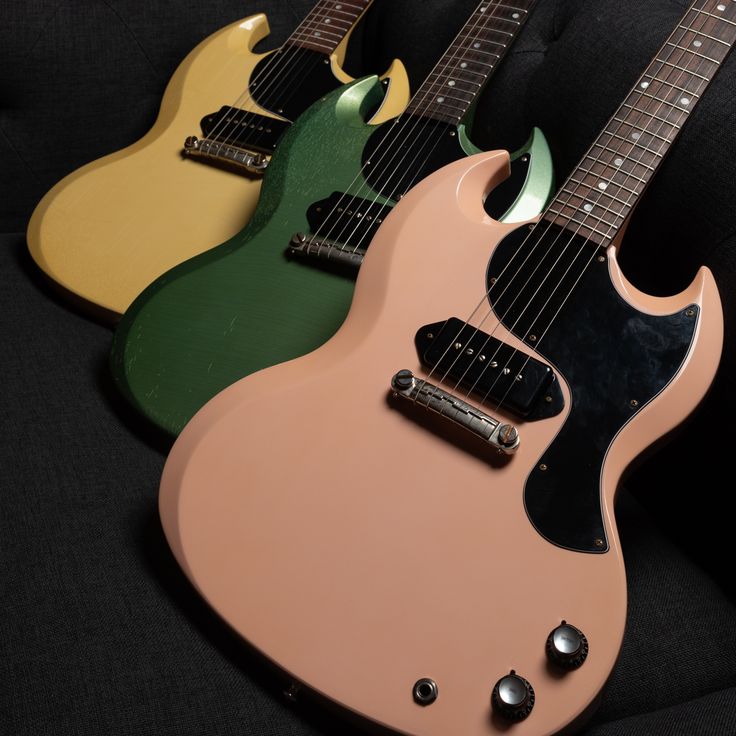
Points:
(362, 542)
(253, 302)
(109, 229)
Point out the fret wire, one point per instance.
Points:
(690, 51)
(637, 109)
(717, 17)
(674, 86)
(653, 116)
(614, 169)
(623, 156)
(682, 69)
(441, 87)
(447, 96)
(587, 227)
(643, 129)
(605, 191)
(594, 206)
(626, 140)
(705, 35)
(572, 218)
(479, 32)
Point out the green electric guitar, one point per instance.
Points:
(283, 285)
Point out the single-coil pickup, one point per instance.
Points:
(493, 370)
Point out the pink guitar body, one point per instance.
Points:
(362, 543)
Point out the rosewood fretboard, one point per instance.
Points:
(327, 24)
(601, 192)
(451, 87)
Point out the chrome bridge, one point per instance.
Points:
(324, 249)
(503, 437)
(217, 151)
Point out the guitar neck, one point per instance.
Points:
(600, 194)
(327, 24)
(451, 87)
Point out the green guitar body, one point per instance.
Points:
(246, 305)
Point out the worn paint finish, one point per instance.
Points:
(109, 229)
(245, 305)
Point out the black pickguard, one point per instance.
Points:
(614, 358)
(286, 83)
(309, 78)
(402, 153)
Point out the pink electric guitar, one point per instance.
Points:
(416, 519)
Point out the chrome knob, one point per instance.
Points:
(513, 697)
(567, 646)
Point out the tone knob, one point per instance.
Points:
(513, 697)
(567, 646)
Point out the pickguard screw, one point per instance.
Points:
(492, 279)
(452, 134)
(634, 403)
(599, 543)
(543, 467)
(548, 399)
(689, 312)
(601, 259)
(430, 335)
(524, 159)
(531, 226)
(532, 338)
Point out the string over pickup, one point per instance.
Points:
(324, 249)
(504, 437)
(490, 368)
(216, 151)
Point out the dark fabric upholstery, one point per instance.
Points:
(100, 633)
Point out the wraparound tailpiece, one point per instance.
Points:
(205, 148)
(309, 246)
(504, 437)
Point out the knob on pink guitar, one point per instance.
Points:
(416, 519)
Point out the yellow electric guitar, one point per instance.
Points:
(109, 229)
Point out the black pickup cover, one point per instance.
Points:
(244, 129)
(347, 219)
(490, 368)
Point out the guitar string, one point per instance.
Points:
(401, 123)
(457, 56)
(588, 201)
(277, 62)
(281, 97)
(632, 195)
(452, 57)
(282, 60)
(277, 67)
(628, 176)
(427, 123)
(510, 281)
(636, 90)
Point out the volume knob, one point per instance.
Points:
(567, 646)
(513, 697)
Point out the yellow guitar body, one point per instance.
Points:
(107, 230)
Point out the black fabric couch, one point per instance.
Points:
(100, 633)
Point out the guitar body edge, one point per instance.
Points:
(112, 227)
(388, 547)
